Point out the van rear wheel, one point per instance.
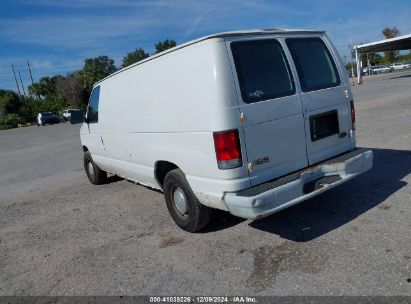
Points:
(185, 209)
(95, 175)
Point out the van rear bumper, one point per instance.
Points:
(270, 197)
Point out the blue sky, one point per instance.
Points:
(57, 35)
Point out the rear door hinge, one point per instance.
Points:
(250, 167)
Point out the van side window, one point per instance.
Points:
(92, 113)
(315, 65)
(262, 69)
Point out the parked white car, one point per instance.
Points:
(367, 71)
(400, 66)
(378, 69)
(250, 122)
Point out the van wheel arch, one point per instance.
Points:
(161, 168)
(95, 175)
(184, 207)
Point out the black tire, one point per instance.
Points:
(197, 215)
(95, 175)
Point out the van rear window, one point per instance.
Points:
(315, 66)
(262, 69)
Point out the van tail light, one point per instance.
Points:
(352, 114)
(227, 149)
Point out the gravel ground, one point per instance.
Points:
(60, 235)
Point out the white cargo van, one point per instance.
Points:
(250, 122)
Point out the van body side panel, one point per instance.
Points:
(180, 92)
(167, 109)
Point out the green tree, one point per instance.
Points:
(31, 107)
(45, 87)
(9, 121)
(164, 45)
(405, 58)
(96, 69)
(372, 58)
(133, 57)
(72, 90)
(390, 32)
(9, 102)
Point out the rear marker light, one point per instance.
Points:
(352, 114)
(227, 149)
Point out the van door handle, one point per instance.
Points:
(343, 134)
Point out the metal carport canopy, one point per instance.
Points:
(392, 44)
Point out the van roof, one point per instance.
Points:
(216, 35)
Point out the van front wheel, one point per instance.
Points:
(185, 209)
(95, 175)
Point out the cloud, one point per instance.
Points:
(57, 35)
(96, 27)
(96, 3)
(72, 32)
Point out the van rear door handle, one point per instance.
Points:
(343, 134)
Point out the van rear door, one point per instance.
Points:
(324, 98)
(271, 111)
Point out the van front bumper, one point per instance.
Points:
(270, 197)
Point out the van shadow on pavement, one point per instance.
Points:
(332, 209)
(403, 76)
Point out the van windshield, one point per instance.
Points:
(315, 66)
(262, 69)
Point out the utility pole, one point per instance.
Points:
(31, 75)
(32, 82)
(17, 84)
(22, 86)
(351, 47)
